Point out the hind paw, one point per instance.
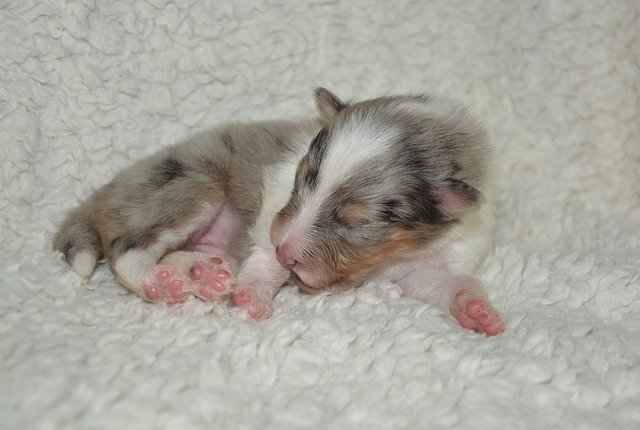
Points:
(162, 285)
(209, 278)
(181, 274)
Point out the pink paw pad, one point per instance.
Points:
(480, 316)
(163, 287)
(209, 279)
(256, 308)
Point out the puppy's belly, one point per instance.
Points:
(219, 235)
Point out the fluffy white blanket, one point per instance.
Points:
(88, 86)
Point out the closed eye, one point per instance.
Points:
(352, 214)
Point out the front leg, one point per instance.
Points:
(462, 296)
(260, 278)
(261, 275)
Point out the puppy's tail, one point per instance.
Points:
(78, 241)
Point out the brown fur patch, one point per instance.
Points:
(402, 243)
(353, 213)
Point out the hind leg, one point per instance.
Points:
(162, 205)
(201, 267)
(156, 272)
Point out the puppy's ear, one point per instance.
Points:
(328, 104)
(457, 198)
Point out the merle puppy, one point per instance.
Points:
(394, 188)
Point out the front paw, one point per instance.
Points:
(257, 305)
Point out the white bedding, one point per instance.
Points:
(89, 86)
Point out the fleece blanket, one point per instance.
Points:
(89, 86)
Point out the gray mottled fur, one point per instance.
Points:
(156, 193)
(421, 181)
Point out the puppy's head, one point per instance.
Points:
(382, 178)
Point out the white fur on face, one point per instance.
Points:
(351, 145)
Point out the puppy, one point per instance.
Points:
(393, 188)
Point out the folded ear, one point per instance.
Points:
(328, 104)
(457, 198)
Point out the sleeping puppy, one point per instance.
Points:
(393, 188)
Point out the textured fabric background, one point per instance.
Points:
(89, 86)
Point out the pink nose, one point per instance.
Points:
(283, 257)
